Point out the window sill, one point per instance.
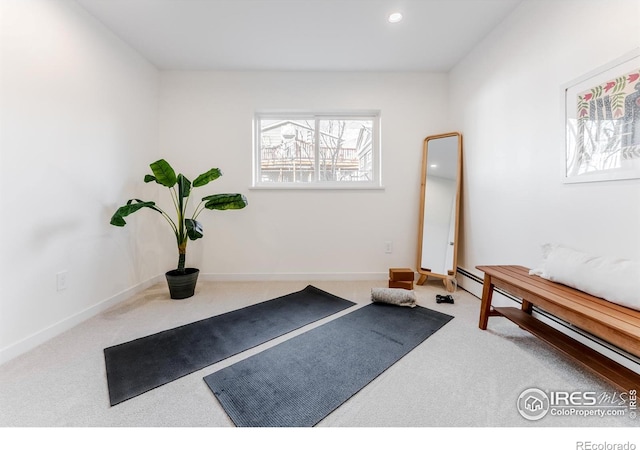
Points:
(315, 187)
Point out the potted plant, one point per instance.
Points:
(181, 281)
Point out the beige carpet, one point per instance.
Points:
(459, 377)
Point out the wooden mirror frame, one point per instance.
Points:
(448, 278)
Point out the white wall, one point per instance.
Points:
(206, 120)
(506, 99)
(79, 126)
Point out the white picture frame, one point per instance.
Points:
(602, 123)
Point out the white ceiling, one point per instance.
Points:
(331, 35)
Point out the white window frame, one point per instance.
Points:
(376, 153)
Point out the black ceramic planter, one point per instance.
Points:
(182, 284)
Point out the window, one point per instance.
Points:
(317, 150)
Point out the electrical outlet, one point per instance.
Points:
(388, 247)
(61, 280)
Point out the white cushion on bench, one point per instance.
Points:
(615, 280)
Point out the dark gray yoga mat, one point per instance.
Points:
(143, 364)
(300, 381)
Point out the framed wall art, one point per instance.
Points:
(602, 123)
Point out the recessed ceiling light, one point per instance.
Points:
(395, 17)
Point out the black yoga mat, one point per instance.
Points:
(143, 364)
(300, 381)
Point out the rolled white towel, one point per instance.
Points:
(394, 296)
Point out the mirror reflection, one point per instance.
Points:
(439, 208)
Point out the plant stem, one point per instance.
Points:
(182, 255)
(198, 210)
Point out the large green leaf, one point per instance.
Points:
(194, 229)
(210, 175)
(132, 206)
(184, 186)
(164, 173)
(225, 201)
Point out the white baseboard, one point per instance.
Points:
(30, 342)
(318, 276)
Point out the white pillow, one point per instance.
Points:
(613, 279)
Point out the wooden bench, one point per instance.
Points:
(610, 322)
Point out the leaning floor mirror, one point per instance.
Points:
(440, 208)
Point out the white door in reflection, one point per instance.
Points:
(439, 205)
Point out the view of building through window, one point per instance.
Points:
(316, 150)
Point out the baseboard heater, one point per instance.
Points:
(592, 341)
